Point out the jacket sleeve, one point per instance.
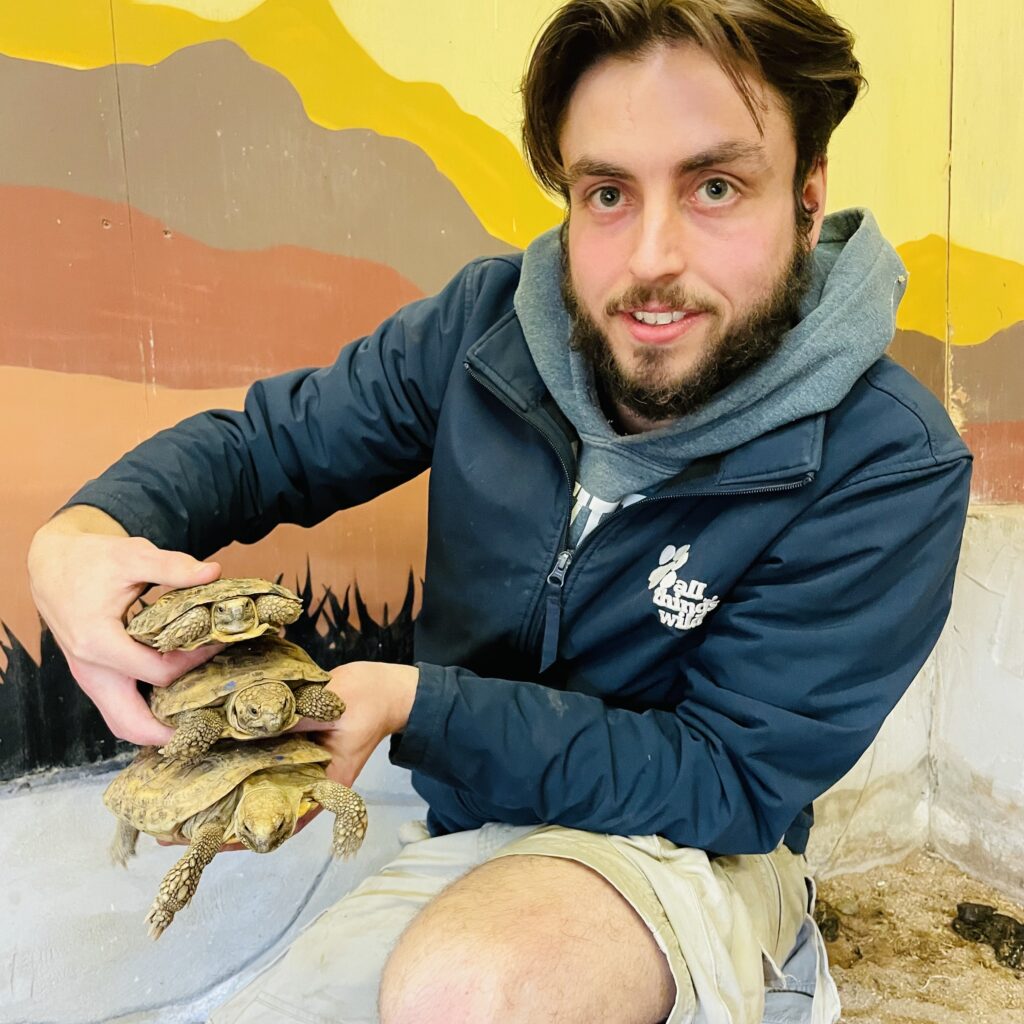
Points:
(307, 443)
(802, 664)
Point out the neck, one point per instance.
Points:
(625, 421)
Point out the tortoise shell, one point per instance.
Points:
(157, 796)
(175, 603)
(237, 667)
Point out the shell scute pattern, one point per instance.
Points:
(157, 796)
(266, 659)
(187, 618)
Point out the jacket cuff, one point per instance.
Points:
(434, 694)
(135, 525)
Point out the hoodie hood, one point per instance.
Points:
(847, 320)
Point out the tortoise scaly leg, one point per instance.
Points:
(349, 815)
(278, 611)
(316, 701)
(123, 845)
(195, 623)
(179, 884)
(195, 732)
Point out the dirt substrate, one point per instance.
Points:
(896, 960)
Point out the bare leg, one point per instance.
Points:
(314, 701)
(349, 816)
(196, 731)
(123, 845)
(527, 939)
(179, 884)
(194, 624)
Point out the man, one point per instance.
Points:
(690, 538)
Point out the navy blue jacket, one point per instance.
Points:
(712, 707)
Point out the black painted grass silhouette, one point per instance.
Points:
(47, 722)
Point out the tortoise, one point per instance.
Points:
(224, 611)
(249, 690)
(251, 793)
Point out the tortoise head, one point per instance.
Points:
(261, 710)
(265, 816)
(233, 615)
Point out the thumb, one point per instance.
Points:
(176, 569)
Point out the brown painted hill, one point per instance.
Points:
(219, 147)
(924, 357)
(62, 429)
(91, 286)
(989, 378)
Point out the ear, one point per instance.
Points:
(813, 198)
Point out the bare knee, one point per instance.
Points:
(446, 968)
(526, 939)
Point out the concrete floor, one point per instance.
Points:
(73, 943)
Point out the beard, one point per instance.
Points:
(648, 389)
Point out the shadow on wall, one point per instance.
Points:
(46, 721)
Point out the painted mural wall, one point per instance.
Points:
(194, 193)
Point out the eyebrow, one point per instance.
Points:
(715, 156)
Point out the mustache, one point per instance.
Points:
(674, 297)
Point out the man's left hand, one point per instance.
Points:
(378, 697)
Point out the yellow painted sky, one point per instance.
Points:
(340, 85)
(213, 10)
(988, 129)
(443, 75)
(476, 50)
(890, 153)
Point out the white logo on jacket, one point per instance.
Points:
(681, 603)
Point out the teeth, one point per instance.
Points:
(658, 318)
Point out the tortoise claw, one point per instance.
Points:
(158, 919)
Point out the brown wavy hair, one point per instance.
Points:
(795, 46)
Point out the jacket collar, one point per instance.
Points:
(786, 456)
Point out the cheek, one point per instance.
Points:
(595, 265)
(745, 265)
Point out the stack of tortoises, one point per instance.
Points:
(224, 611)
(248, 793)
(249, 690)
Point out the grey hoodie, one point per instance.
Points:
(847, 319)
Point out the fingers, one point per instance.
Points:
(310, 725)
(109, 646)
(172, 569)
(123, 708)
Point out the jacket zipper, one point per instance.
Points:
(556, 577)
(552, 601)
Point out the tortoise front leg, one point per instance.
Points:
(185, 630)
(123, 845)
(349, 815)
(179, 884)
(195, 732)
(317, 702)
(278, 611)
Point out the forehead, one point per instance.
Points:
(674, 102)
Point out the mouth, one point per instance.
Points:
(659, 326)
(659, 316)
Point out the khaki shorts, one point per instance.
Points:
(725, 924)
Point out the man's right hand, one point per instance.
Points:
(85, 573)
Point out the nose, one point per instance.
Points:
(658, 254)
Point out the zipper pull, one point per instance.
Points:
(553, 610)
(557, 575)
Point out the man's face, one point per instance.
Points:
(681, 214)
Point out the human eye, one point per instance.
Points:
(717, 190)
(605, 197)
